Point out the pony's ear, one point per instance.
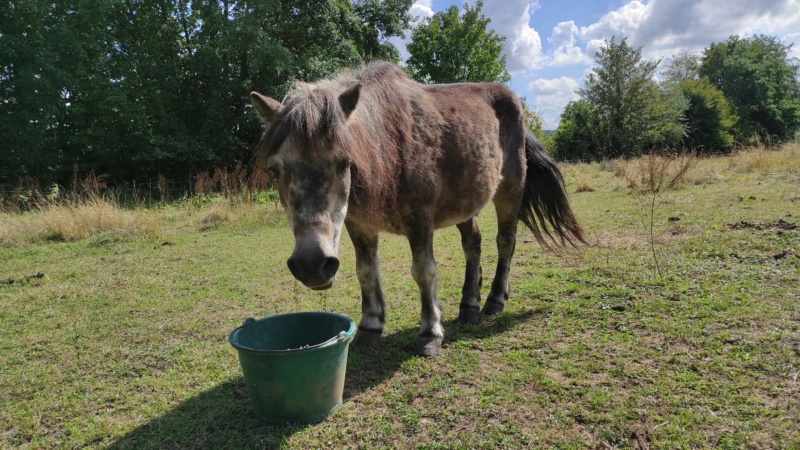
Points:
(267, 108)
(349, 98)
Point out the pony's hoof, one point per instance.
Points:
(366, 338)
(468, 316)
(492, 308)
(429, 346)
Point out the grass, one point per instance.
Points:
(115, 336)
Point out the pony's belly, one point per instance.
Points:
(462, 205)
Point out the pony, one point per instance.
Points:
(373, 150)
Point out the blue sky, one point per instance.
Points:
(550, 44)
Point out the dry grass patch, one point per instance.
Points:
(763, 161)
(655, 173)
(584, 186)
(240, 215)
(75, 221)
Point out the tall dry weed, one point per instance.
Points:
(650, 177)
(655, 173)
(238, 184)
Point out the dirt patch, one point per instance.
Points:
(30, 279)
(784, 253)
(778, 226)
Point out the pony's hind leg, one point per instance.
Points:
(373, 312)
(423, 269)
(507, 218)
(469, 309)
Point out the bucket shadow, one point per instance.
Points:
(221, 417)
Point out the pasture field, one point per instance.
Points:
(678, 327)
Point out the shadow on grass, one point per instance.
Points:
(221, 417)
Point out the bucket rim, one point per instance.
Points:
(343, 336)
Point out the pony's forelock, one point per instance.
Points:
(312, 117)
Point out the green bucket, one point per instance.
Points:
(294, 364)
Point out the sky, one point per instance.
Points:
(550, 44)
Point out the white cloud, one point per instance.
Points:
(622, 22)
(593, 46)
(665, 27)
(523, 46)
(564, 34)
(566, 53)
(421, 9)
(550, 96)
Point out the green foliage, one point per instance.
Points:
(137, 89)
(683, 65)
(666, 125)
(451, 48)
(709, 117)
(760, 80)
(573, 140)
(630, 113)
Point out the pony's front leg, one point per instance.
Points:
(368, 271)
(423, 269)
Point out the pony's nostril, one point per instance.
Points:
(329, 267)
(294, 268)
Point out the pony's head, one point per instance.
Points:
(306, 147)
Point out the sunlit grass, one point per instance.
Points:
(115, 336)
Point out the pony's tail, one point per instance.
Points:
(544, 200)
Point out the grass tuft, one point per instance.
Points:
(240, 216)
(73, 221)
(584, 186)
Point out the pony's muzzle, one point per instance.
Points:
(315, 272)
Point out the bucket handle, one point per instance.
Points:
(338, 338)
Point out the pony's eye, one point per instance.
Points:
(343, 165)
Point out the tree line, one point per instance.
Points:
(137, 89)
(739, 92)
(132, 89)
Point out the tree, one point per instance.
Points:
(379, 19)
(574, 138)
(709, 117)
(629, 114)
(683, 65)
(760, 80)
(453, 48)
(667, 121)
